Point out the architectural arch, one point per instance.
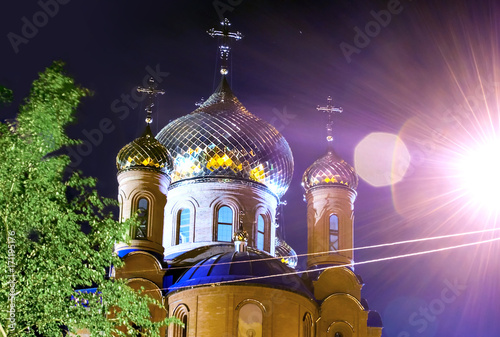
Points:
(307, 325)
(187, 204)
(250, 318)
(340, 329)
(142, 203)
(181, 312)
(216, 206)
(264, 232)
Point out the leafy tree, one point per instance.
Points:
(45, 255)
(5, 95)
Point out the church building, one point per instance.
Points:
(207, 189)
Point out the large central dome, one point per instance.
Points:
(223, 139)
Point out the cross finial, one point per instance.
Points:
(151, 91)
(330, 110)
(224, 47)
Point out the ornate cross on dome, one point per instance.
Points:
(330, 111)
(224, 48)
(151, 91)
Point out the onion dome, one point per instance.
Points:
(222, 139)
(330, 170)
(235, 266)
(144, 152)
(286, 252)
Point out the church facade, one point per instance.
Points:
(207, 189)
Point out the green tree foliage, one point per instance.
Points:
(44, 254)
(5, 95)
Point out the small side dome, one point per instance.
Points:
(144, 152)
(330, 170)
(286, 252)
(374, 320)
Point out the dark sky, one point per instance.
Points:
(424, 71)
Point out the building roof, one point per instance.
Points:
(144, 152)
(330, 170)
(223, 139)
(253, 265)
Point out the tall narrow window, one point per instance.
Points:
(224, 224)
(180, 331)
(141, 231)
(183, 226)
(307, 325)
(181, 313)
(334, 232)
(260, 232)
(250, 321)
(185, 329)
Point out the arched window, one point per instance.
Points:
(181, 312)
(185, 322)
(307, 325)
(141, 232)
(260, 232)
(250, 321)
(334, 232)
(225, 224)
(183, 226)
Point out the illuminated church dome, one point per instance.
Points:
(144, 152)
(223, 139)
(330, 169)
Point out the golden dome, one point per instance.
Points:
(144, 152)
(328, 170)
(223, 139)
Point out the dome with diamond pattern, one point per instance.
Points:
(328, 170)
(144, 152)
(223, 139)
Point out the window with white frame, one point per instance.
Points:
(334, 232)
(225, 224)
(260, 232)
(141, 231)
(183, 226)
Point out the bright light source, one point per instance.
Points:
(479, 175)
(381, 159)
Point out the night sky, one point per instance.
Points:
(422, 71)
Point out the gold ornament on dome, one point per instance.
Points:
(240, 235)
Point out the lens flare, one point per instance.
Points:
(479, 175)
(381, 159)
